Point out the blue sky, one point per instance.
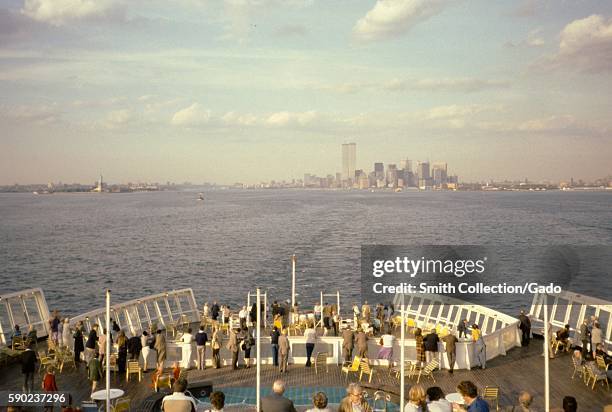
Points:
(251, 90)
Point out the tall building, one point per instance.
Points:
(439, 173)
(406, 165)
(423, 175)
(349, 160)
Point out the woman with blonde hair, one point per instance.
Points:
(215, 344)
(417, 400)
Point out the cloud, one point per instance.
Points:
(291, 118)
(119, 117)
(585, 45)
(458, 84)
(390, 18)
(534, 39)
(445, 84)
(233, 118)
(193, 115)
(60, 12)
(40, 114)
(291, 30)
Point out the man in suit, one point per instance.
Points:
(283, 350)
(525, 327)
(276, 402)
(362, 343)
(348, 343)
(451, 341)
(232, 345)
(28, 367)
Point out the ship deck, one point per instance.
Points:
(521, 369)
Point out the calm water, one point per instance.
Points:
(75, 246)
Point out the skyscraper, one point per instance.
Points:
(439, 173)
(349, 159)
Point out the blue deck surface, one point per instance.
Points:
(301, 396)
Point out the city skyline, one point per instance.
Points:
(248, 91)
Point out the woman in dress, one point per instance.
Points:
(79, 346)
(420, 346)
(66, 335)
(122, 352)
(187, 349)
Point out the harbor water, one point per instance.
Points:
(74, 246)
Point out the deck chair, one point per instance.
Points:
(17, 343)
(426, 371)
(396, 371)
(133, 367)
(65, 357)
(321, 362)
(592, 372)
(122, 405)
(114, 367)
(45, 360)
(578, 369)
(490, 394)
(365, 369)
(601, 363)
(352, 367)
(163, 381)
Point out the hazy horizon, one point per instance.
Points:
(256, 90)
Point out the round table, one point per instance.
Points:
(101, 395)
(455, 398)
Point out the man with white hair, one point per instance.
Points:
(276, 402)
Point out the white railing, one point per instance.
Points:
(163, 309)
(23, 308)
(572, 308)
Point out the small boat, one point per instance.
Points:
(200, 197)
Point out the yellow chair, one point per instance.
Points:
(601, 363)
(133, 367)
(163, 380)
(353, 367)
(426, 371)
(491, 393)
(365, 369)
(578, 369)
(65, 357)
(122, 405)
(45, 361)
(593, 372)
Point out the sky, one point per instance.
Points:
(253, 90)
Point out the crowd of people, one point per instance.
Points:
(238, 338)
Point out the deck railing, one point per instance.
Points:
(23, 308)
(573, 308)
(163, 310)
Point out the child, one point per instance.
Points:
(49, 384)
(176, 371)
